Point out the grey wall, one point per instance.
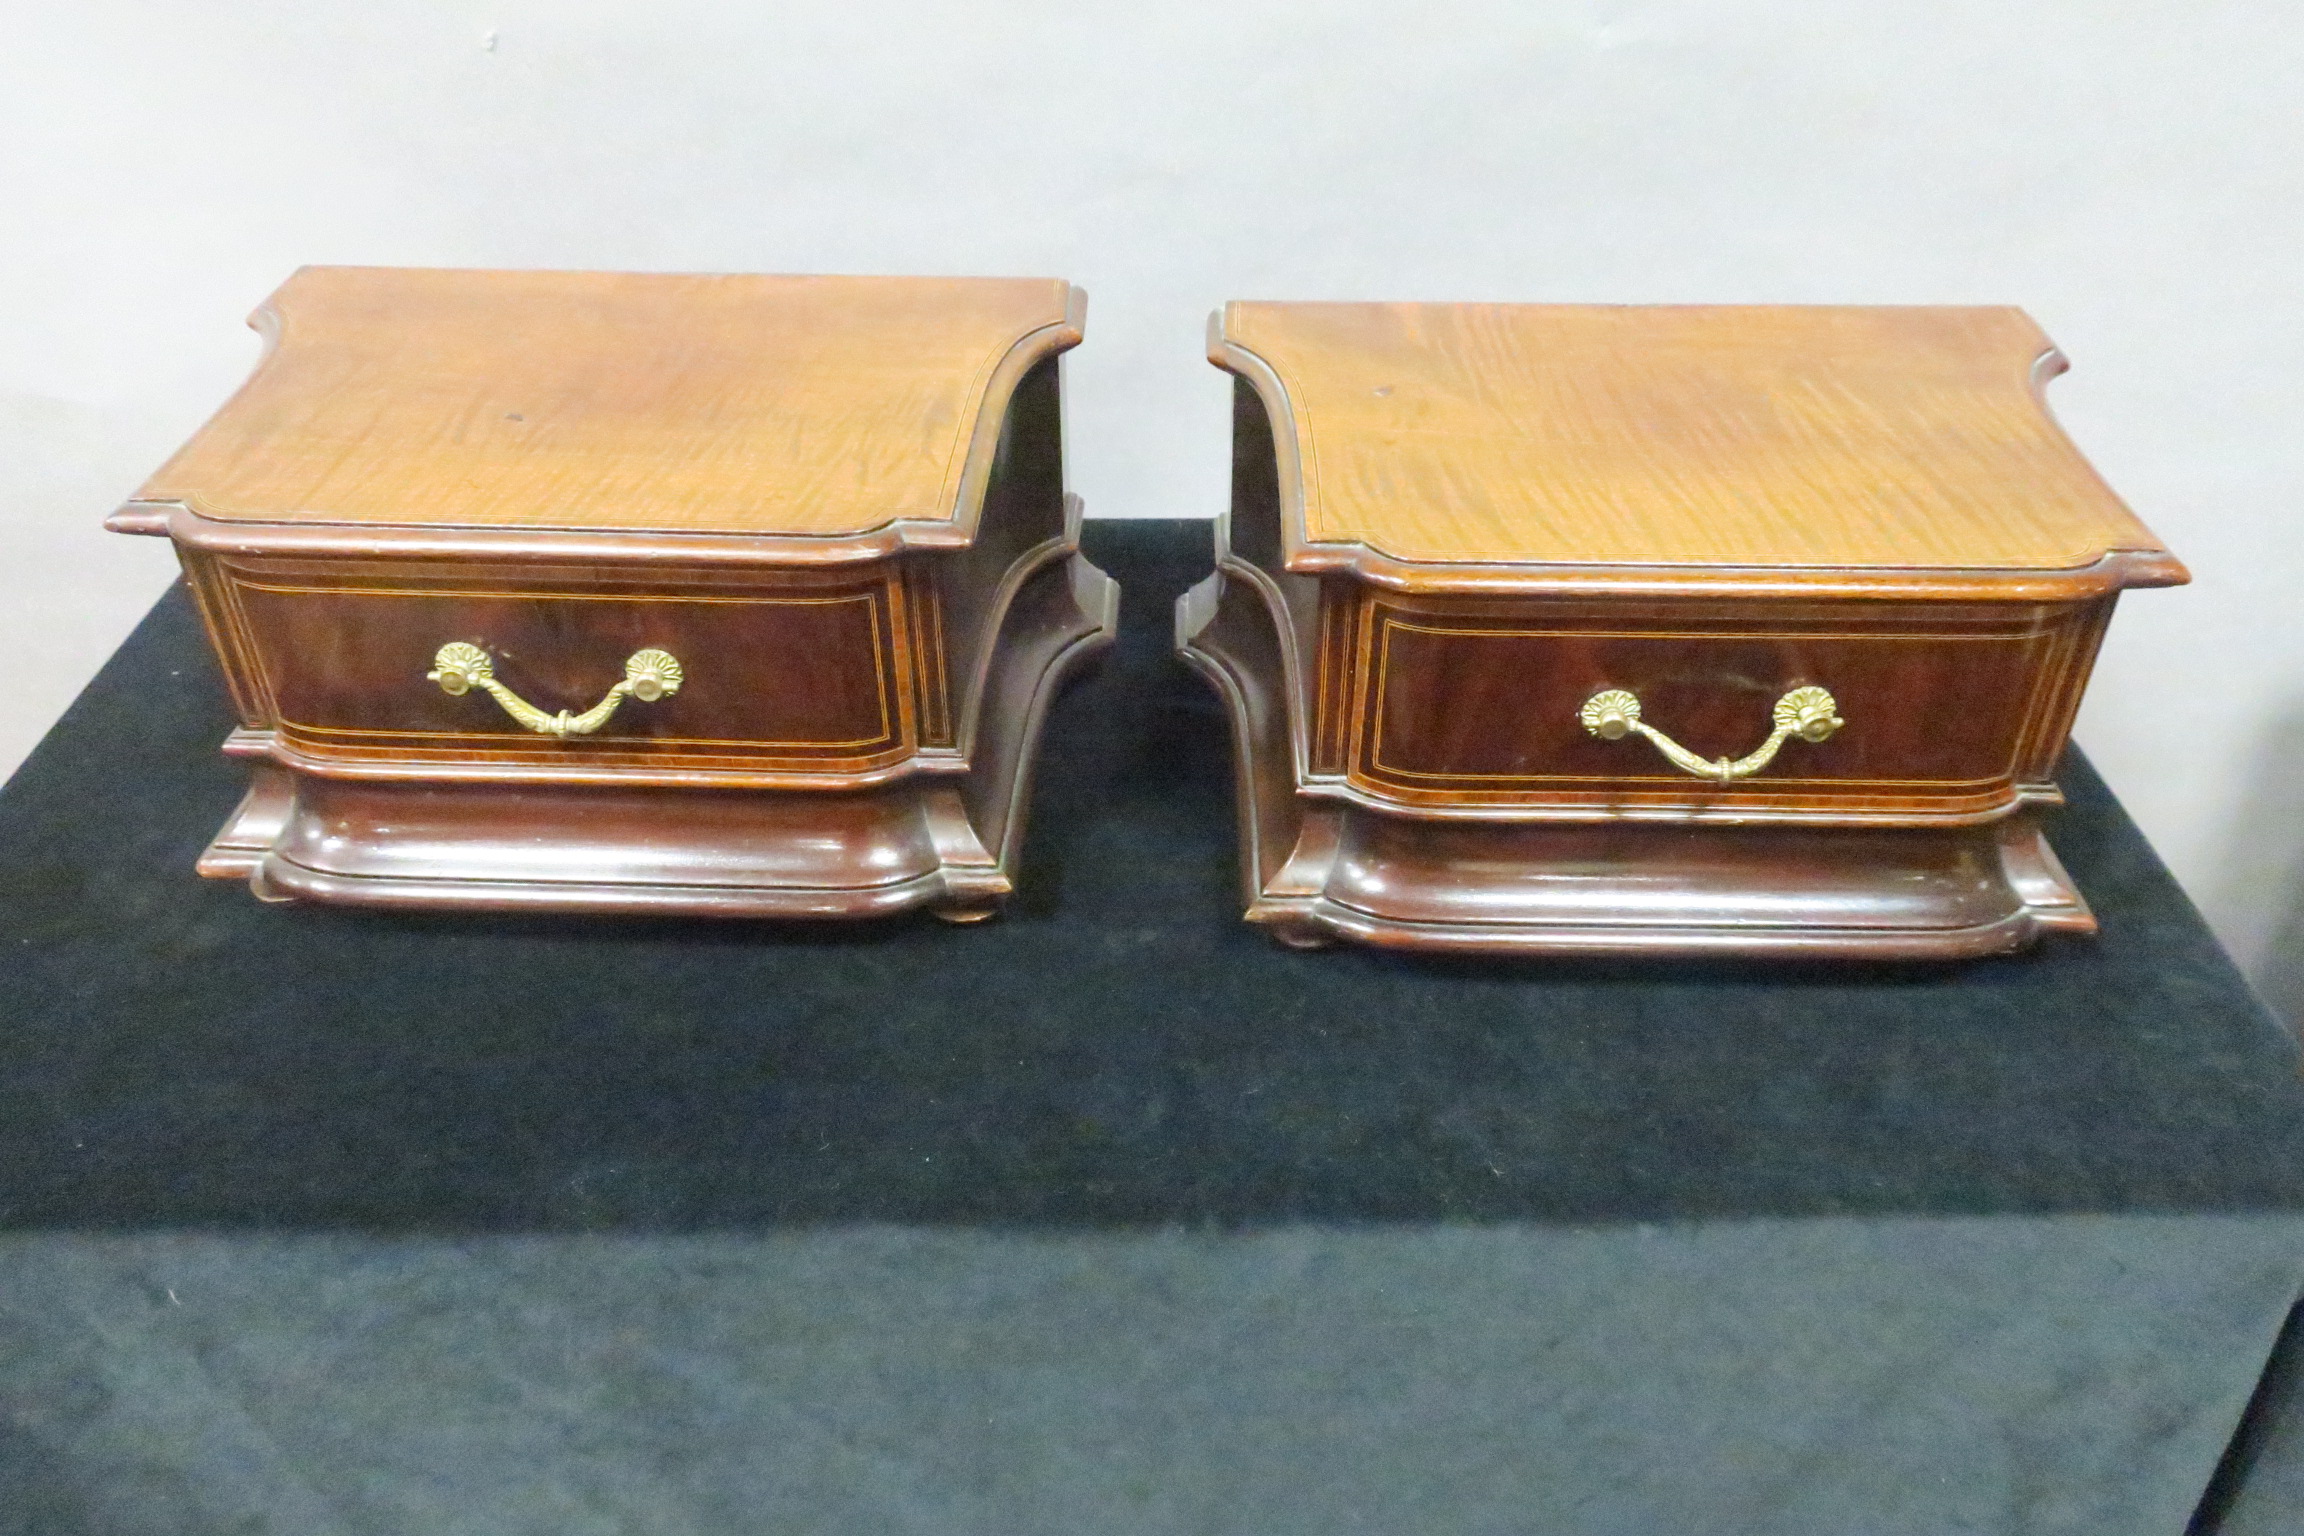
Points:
(2127, 172)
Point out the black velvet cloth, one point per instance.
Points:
(1109, 1215)
(1118, 1050)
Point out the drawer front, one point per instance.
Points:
(1946, 711)
(805, 676)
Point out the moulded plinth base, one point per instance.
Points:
(731, 853)
(1625, 889)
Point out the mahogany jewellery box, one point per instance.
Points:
(734, 595)
(1627, 629)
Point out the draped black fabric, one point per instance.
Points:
(1180, 1226)
(1118, 1049)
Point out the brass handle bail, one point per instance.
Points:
(1808, 713)
(649, 675)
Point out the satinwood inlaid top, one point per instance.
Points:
(601, 400)
(1682, 436)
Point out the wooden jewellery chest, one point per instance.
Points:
(721, 595)
(1567, 628)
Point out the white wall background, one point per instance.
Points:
(2131, 173)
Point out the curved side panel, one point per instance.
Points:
(1225, 633)
(1064, 616)
(994, 410)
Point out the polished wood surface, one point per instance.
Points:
(1452, 525)
(809, 406)
(1619, 891)
(814, 672)
(603, 849)
(1954, 711)
(1709, 439)
(838, 502)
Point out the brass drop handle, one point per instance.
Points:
(649, 675)
(1808, 713)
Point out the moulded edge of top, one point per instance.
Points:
(2111, 569)
(952, 526)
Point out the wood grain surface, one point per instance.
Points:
(815, 406)
(1699, 436)
(1953, 711)
(839, 502)
(1451, 525)
(806, 675)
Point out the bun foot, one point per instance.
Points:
(966, 914)
(1300, 936)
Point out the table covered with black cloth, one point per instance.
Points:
(1109, 1215)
